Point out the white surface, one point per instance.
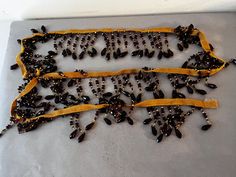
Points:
(23, 9)
(121, 151)
(4, 34)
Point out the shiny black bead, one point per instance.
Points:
(74, 56)
(154, 130)
(200, 91)
(52, 52)
(89, 126)
(15, 66)
(71, 83)
(178, 133)
(147, 121)
(49, 97)
(126, 93)
(108, 121)
(206, 127)
(133, 98)
(159, 138)
(155, 95)
(130, 121)
(180, 47)
(170, 53)
(160, 54)
(103, 52)
(212, 86)
(233, 61)
(107, 94)
(34, 30)
(73, 134)
(43, 28)
(64, 53)
(81, 137)
(81, 55)
(135, 53)
(140, 53)
(185, 64)
(115, 55)
(179, 86)
(189, 89)
(120, 119)
(85, 99)
(123, 54)
(19, 41)
(168, 131)
(68, 51)
(139, 98)
(161, 94)
(108, 56)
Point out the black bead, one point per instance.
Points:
(108, 121)
(161, 94)
(52, 52)
(71, 83)
(233, 61)
(189, 89)
(81, 55)
(34, 30)
(139, 98)
(178, 133)
(89, 126)
(120, 119)
(206, 127)
(168, 131)
(107, 94)
(68, 51)
(140, 53)
(108, 56)
(115, 55)
(200, 91)
(212, 86)
(159, 56)
(155, 95)
(126, 93)
(135, 53)
(146, 52)
(133, 98)
(185, 64)
(64, 53)
(179, 86)
(104, 51)
(154, 130)
(81, 137)
(180, 47)
(85, 99)
(170, 53)
(159, 138)
(49, 97)
(15, 66)
(123, 54)
(43, 28)
(147, 121)
(74, 56)
(73, 134)
(130, 121)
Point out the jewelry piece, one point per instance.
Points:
(131, 87)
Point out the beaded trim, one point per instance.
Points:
(30, 109)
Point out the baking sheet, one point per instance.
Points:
(122, 150)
